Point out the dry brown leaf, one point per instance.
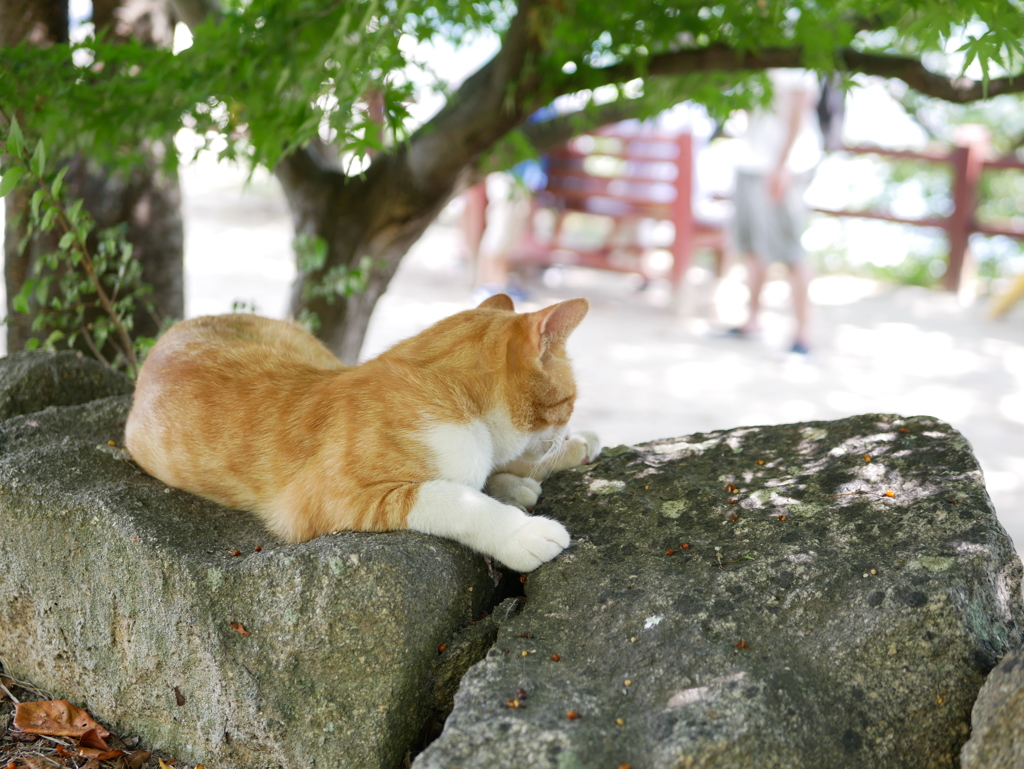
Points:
(239, 628)
(56, 718)
(99, 755)
(92, 763)
(162, 764)
(92, 739)
(138, 758)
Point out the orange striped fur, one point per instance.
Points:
(258, 415)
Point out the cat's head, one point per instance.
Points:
(533, 373)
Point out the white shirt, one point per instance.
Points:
(761, 147)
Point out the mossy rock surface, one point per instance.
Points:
(813, 595)
(125, 597)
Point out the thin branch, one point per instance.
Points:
(126, 340)
(93, 348)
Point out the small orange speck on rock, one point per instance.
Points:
(235, 553)
(111, 443)
(441, 648)
(572, 714)
(760, 461)
(782, 518)
(867, 457)
(523, 578)
(734, 518)
(670, 551)
(684, 545)
(627, 682)
(890, 493)
(257, 549)
(555, 658)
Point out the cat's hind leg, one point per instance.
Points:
(520, 541)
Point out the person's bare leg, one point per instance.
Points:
(799, 278)
(756, 271)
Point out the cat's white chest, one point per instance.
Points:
(467, 453)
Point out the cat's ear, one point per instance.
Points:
(497, 302)
(555, 323)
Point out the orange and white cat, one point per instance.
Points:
(258, 415)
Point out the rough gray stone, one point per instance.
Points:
(809, 620)
(31, 381)
(118, 594)
(997, 733)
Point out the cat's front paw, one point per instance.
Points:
(591, 443)
(580, 448)
(513, 490)
(537, 541)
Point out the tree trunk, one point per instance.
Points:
(357, 217)
(146, 198)
(381, 213)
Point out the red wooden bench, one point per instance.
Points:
(628, 174)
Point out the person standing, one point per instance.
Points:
(776, 160)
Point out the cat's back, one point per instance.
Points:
(220, 381)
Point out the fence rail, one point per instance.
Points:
(967, 160)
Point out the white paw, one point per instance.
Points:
(592, 442)
(580, 449)
(513, 490)
(535, 542)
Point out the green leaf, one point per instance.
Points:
(37, 199)
(73, 211)
(66, 240)
(15, 141)
(47, 223)
(43, 289)
(20, 301)
(38, 161)
(58, 182)
(32, 344)
(55, 336)
(10, 179)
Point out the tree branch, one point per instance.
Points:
(959, 90)
(725, 59)
(488, 105)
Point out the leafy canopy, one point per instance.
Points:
(267, 76)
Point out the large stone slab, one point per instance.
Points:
(997, 734)
(820, 595)
(124, 596)
(31, 381)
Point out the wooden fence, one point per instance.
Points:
(968, 160)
